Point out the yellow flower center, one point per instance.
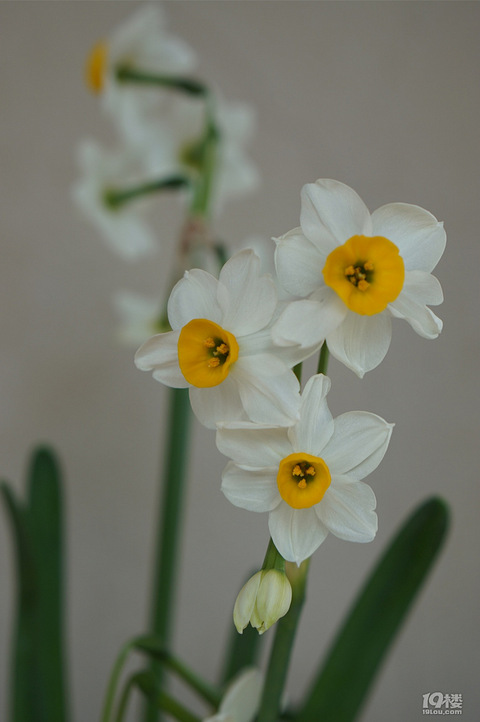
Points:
(206, 352)
(96, 67)
(367, 272)
(302, 480)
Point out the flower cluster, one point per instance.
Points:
(345, 274)
(171, 130)
(172, 134)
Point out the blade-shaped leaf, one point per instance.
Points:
(45, 520)
(356, 654)
(153, 647)
(22, 706)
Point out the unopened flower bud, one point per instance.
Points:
(273, 598)
(262, 600)
(246, 601)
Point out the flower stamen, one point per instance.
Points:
(302, 480)
(367, 273)
(205, 352)
(357, 275)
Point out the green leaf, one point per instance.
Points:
(145, 681)
(46, 531)
(21, 705)
(38, 664)
(153, 647)
(356, 654)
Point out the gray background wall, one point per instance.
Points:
(383, 96)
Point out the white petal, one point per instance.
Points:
(252, 444)
(296, 533)
(194, 296)
(268, 389)
(361, 342)
(419, 289)
(418, 235)
(332, 213)
(315, 426)
(216, 404)
(262, 342)
(309, 322)
(299, 263)
(251, 299)
(159, 354)
(358, 444)
(251, 489)
(347, 510)
(242, 698)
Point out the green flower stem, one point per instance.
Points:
(171, 512)
(200, 205)
(177, 710)
(168, 704)
(282, 645)
(155, 649)
(114, 198)
(273, 558)
(286, 628)
(125, 698)
(113, 681)
(190, 86)
(162, 700)
(323, 359)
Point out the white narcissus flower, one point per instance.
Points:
(172, 144)
(123, 227)
(142, 43)
(308, 477)
(242, 698)
(221, 349)
(354, 271)
(263, 600)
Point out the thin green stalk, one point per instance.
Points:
(285, 634)
(177, 710)
(204, 185)
(113, 681)
(170, 516)
(125, 698)
(163, 700)
(115, 198)
(155, 649)
(323, 359)
(190, 86)
(273, 559)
